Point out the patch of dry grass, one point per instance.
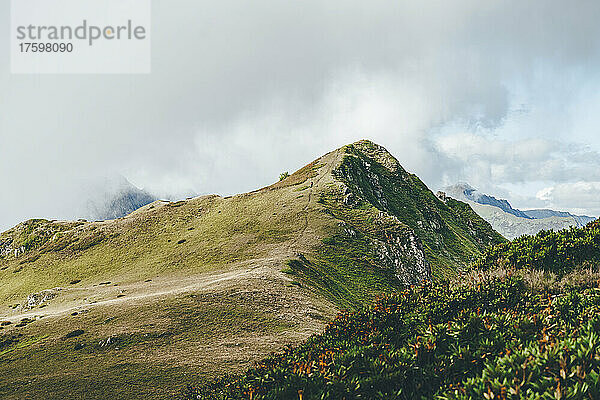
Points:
(582, 277)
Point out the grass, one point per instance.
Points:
(22, 344)
(339, 254)
(153, 342)
(494, 338)
(154, 242)
(345, 270)
(213, 233)
(145, 353)
(522, 323)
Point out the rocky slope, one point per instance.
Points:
(217, 282)
(581, 220)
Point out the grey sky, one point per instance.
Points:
(504, 95)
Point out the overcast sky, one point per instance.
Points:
(503, 95)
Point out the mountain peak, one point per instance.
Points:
(376, 152)
(371, 178)
(345, 228)
(463, 191)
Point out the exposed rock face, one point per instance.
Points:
(37, 299)
(8, 248)
(442, 196)
(417, 231)
(402, 251)
(405, 256)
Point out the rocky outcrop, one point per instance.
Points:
(39, 298)
(424, 232)
(405, 256)
(9, 248)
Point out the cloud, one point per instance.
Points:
(490, 160)
(584, 195)
(243, 90)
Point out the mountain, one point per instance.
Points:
(581, 220)
(93, 198)
(467, 192)
(115, 198)
(509, 221)
(218, 282)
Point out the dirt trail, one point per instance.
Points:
(176, 286)
(314, 185)
(140, 291)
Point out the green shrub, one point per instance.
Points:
(558, 252)
(494, 340)
(283, 175)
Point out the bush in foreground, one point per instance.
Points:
(494, 339)
(558, 252)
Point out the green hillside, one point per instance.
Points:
(217, 282)
(492, 334)
(559, 252)
(451, 233)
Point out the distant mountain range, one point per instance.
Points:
(512, 222)
(582, 220)
(115, 198)
(466, 191)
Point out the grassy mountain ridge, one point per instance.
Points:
(361, 185)
(451, 234)
(218, 282)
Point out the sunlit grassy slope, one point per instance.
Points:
(217, 282)
(212, 233)
(522, 324)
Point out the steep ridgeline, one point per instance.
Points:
(447, 231)
(218, 281)
(353, 222)
(390, 229)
